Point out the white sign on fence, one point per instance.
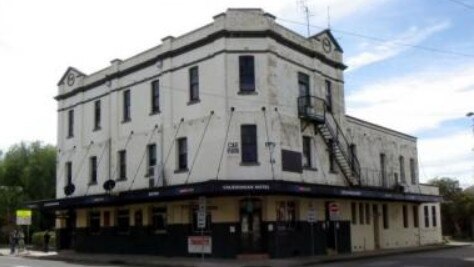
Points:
(200, 244)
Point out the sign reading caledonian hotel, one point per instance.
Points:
(229, 140)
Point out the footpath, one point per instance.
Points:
(158, 261)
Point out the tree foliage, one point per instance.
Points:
(27, 173)
(457, 209)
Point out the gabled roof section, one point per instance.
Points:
(331, 37)
(69, 70)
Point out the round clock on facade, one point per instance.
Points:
(327, 45)
(71, 78)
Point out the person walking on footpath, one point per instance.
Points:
(11, 240)
(46, 237)
(16, 241)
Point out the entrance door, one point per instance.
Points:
(66, 234)
(375, 213)
(250, 225)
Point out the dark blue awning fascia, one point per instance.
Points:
(216, 188)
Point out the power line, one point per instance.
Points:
(382, 40)
(461, 3)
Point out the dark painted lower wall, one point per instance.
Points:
(225, 244)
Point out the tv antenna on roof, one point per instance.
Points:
(304, 6)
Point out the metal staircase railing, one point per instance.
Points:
(315, 109)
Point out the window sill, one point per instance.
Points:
(192, 102)
(155, 112)
(92, 183)
(243, 92)
(97, 129)
(181, 170)
(250, 163)
(126, 121)
(309, 168)
(69, 136)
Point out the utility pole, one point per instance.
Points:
(471, 115)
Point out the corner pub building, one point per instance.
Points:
(232, 139)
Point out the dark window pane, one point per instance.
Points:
(367, 213)
(415, 216)
(433, 214)
(194, 84)
(126, 105)
(427, 217)
(413, 171)
(94, 221)
(70, 128)
(405, 216)
(354, 213)
(307, 151)
(158, 219)
(328, 93)
(68, 172)
(361, 213)
(155, 96)
(138, 218)
(123, 221)
(93, 170)
(182, 153)
(385, 216)
(97, 115)
(247, 73)
(401, 162)
(151, 158)
(303, 84)
(122, 165)
(249, 143)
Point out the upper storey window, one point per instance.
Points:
(126, 106)
(194, 84)
(155, 97)
(328, 94)
(303, 84)
(70, 123)
(413, 171)
(249, 143)
(97, 115)
(247, 73)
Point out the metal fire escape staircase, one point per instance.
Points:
(316, 111)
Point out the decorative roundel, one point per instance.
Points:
(69, 189)
(71, 78)
(327, 47)
(109, 185)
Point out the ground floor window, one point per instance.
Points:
(354, 213)
(158, 219)
(405, 216)
(94, 221)
(286, 215)
(427, 216)
(138, 218)
(415, 216)
(385, 216)
(433, 214)
(123, 221)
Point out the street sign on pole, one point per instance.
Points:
(23, 217)
(201, 213)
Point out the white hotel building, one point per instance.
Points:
(249, 115)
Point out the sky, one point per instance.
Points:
(410, 62)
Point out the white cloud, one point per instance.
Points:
(395, 46)
(448, 156)
(416, 102)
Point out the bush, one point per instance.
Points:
(37, 240)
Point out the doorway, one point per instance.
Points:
(375, 213)
(250, 225)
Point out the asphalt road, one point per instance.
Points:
(453, 257)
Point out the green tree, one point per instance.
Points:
(27, 173)
(457, 208)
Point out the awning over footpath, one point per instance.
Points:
(215, 188)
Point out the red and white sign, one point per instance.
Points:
(200, 244)
(334, 211)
